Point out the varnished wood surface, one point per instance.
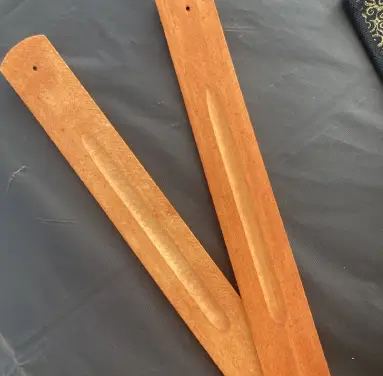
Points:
(141, 213)
(268, 279)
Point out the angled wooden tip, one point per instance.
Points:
(28, 64)
(23, 46)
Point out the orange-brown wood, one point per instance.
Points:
(283, 329)
(145, 218)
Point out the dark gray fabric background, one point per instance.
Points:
(74, 300)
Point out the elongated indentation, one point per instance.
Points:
(159, 237)
(246, 210)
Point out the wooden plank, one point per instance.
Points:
(283, 329)
(141, 213)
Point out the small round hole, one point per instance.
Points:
(188, 8)
(34, 68)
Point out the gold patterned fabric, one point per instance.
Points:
(367, 17)
(373, 16)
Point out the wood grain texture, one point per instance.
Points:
(145, 218)
(282, 326)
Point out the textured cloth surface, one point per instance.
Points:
(367, 18)
(74, 300)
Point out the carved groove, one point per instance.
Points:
(159, 237)
(246, 210)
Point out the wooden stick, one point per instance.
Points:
(144, 217)
(268, 279)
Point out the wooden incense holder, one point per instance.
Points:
(141, 213)
(283, 329)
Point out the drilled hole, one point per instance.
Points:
(34, 68)
(188, 8)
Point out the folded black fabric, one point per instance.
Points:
(367, 17)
